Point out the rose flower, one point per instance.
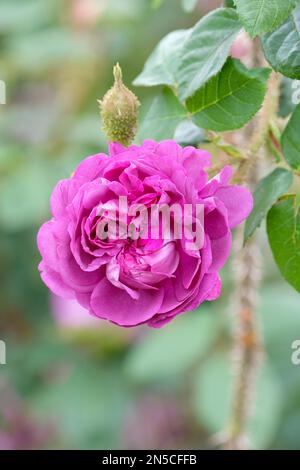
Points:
(131, 280)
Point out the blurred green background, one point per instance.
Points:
(68, 382)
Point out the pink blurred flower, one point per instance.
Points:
(241, 47)
(69, 314)
(134, 281)
(86, 12)
(80, 327)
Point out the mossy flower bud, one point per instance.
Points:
(119, 111)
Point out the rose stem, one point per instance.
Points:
(247, 268)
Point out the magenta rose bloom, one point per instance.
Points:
(128, 280)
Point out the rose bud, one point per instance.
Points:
(119, 111)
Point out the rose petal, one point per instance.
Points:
(115, 305)
(238, 202)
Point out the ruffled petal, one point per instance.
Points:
(55, 283)
(90, 168)
(220, 249)
(113, 304)
(238, 201)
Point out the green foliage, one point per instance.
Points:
(262, 16)
(265, 195)
(290, 141)
(187, 133)
(161, 66)
(282, 46)
(230, 99)
(283, 227)
(289, 94)
(229, 3)
(188, 59)
(164, 114)
(206, 49)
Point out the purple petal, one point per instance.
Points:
(116, 305)
(55, 283)
(238, 201)
(90, 168)
(220, 249)
(47, 244)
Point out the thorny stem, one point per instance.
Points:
(247, 272)
(257, 133)
(247, 343)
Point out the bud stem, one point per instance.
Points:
(117, 71)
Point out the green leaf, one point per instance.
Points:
(290, 141)
(164, 115)
(206, 49)
(266, 194)
(161, 66)
(262, 16)
(171, 351)
(289, 96)
(187, 133)
(282, 46)
(229, 3)
(189, 5)
(212, 400)
(283, 227)
(230, 99)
